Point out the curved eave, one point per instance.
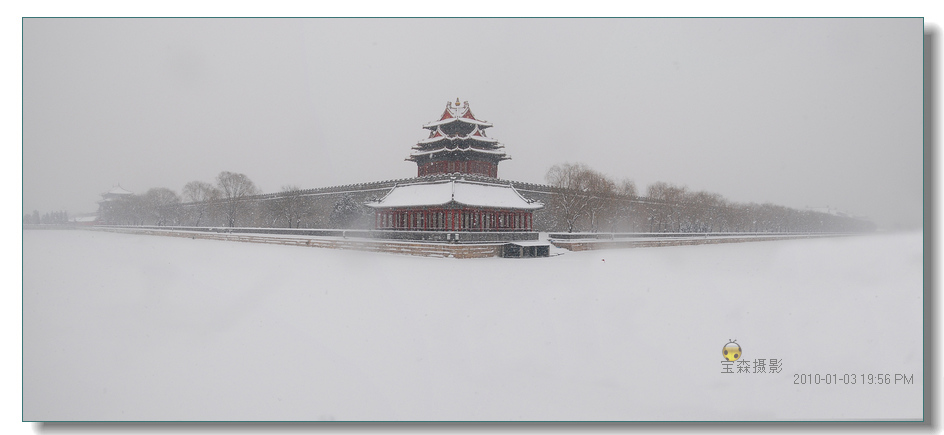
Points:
(434, 124)
(118, 190)
(378, 205)
(455, 138)
(427, 147)
(430, 153)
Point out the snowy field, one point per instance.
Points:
(134, 327)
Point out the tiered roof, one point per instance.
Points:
(116, 192)
(437, 135)
(458, 131)
(457, 113)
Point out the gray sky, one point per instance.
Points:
(797, 112)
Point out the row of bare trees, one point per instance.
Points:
(50, 218)
(583, 193)
(157, 206)
(201, 200)
(579, 199)
(234, 201)
(586, 200)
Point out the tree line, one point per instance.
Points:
(576, 197)
(51, 218)
(233, 201)
(586, 200)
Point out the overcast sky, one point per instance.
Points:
(796, 112)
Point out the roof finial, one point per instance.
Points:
(457, 101)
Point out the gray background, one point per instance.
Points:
(797, 112)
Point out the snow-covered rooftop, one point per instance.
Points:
(463, 192)
(456, 149)
(118, 190)
(438, 135)
(456, 112)
(465, 120)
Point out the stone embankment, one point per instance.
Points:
(454, 250)
(584, 242)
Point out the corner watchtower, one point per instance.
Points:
(457, 143)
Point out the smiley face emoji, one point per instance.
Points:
(731, 351)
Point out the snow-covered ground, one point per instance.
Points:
(134, 327)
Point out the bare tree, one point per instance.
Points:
(235, 189)
(346, 212)
(626, 188)
(670, 214)
(202, 196)
(569, 200)
(289, 207)
(579, 191)
(624, 209)
(710, 212)
(600, 191)
(162, 205)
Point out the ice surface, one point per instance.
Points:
(134, 327)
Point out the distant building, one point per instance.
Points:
(113, 209)
(85, 220)
(116, 193)
(447, 201)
